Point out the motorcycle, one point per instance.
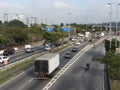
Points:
(87, 66)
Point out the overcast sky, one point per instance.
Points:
(56, 11)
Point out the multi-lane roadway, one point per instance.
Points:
(75, 78)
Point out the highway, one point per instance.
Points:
(26, 80)
(21, 54)
(77, 78)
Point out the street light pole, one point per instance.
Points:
(116, 24)
(6, 17)
(69, 22)
(86, 23)
(110, 22)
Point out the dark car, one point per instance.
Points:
(9, 51)
(74, 49)
(68, 55)
(90, 40)
(58, 43)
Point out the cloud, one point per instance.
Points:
(5, 5)
(61, 4)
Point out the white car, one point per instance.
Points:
(77, 43)
(47, 48)
(3, 58)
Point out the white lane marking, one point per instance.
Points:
(31, 80)
(65, 68)
(70, 63)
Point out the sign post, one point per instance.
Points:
(6, 62)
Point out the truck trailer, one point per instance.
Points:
(45, 65)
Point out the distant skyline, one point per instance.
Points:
(56, 11)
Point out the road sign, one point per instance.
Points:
(49, 29)
(66, 29)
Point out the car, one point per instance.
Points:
(90, 40)
(74, 49)
(58, 43)
(9, 51)
(3, 58)
(47, 48)
(28, 50)
(68, 55)
(77, 43)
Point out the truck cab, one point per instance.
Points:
(28, 48)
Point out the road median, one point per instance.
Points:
(9, 71)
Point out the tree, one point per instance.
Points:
(17, 35)
(52, 37)
(1, 22)
(16, 23)
(113, 47)
(62, 24)
(113, 63)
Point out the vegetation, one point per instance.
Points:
(15, 32)
(15, 70)
(111, 59)
(21, 67)
(113, 46)
(115, 84)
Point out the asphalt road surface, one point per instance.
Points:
(26, 80)
(77, 78)
(22, 54)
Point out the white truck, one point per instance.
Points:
(28, 48)
(45, 65)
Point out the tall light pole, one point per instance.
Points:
(101, 27)
(110, 22)
(17, 16)
(21, 17)
(27, 21)
(6, 17)
(86, 23)
(69, 22)
(116, 24)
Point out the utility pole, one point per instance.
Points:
(110, 23)
(6, 17)
(69, 23)
(116, 24)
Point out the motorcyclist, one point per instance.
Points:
(87, 66)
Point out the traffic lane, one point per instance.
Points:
(18, 81)
(77, 78)
(64, 60)
(26, 81)
(21, 55)
(79, 47)
(38, 86)
(23, 80)
(35, 85)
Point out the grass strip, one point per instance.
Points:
(58, 49)
(15, 70)
(115, 84)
